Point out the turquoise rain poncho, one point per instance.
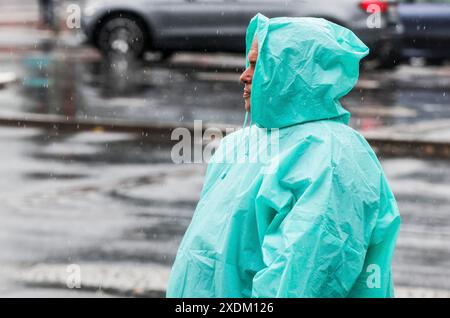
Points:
(316, 217)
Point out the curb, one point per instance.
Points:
(125, 280)
(139, 280)
(392, 147)
(386, 145)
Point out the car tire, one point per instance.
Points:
(122, 34)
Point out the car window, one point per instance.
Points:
(426, 1)
(429, 1)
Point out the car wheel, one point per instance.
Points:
(122, 35)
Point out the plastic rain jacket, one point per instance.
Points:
(323, 222)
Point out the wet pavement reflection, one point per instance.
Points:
(121, 88)
(115, 199)
(92, 196)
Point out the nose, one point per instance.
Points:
(245, 77)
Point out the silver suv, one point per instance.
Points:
(134, 26)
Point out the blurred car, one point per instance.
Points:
(427, 29)
(220, 25)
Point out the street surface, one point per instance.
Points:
(115, 204)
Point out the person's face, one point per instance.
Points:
(247, 76)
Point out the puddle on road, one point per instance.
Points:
(60, 204)
(52, 83)
(124, 89)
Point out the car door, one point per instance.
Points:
(197, 25)
(427, 24)
(211, 25)
(246, 9)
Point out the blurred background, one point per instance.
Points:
(90, 92)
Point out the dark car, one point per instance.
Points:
(220, 25)
(427, 29)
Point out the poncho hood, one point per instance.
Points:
(304, 67)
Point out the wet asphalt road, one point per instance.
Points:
(90, 197)
(115, 199)
(81, 85)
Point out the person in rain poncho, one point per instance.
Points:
(316, 218)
